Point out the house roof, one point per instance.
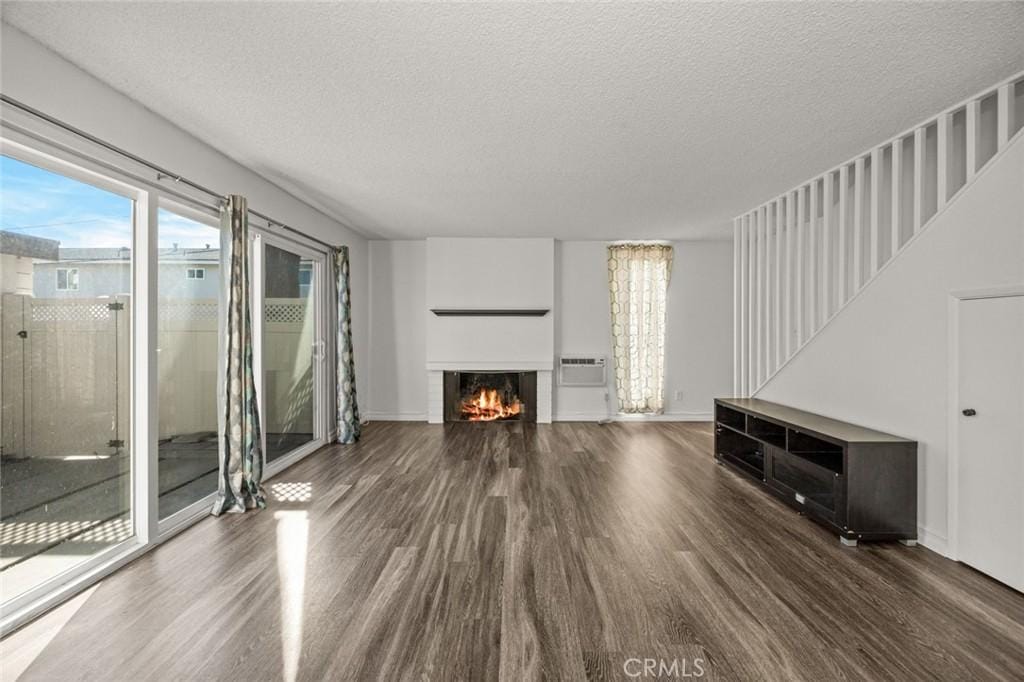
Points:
(26, 246)
(123, 254)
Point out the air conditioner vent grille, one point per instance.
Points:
(582, 371)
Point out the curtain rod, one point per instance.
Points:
(161, 173)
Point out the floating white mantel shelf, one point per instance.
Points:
(490, 365)
(490, 312)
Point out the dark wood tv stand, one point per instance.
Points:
(859, 482)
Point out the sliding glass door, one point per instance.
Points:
(188, 289)
(292, 347)
(110, 300)
(66, 331)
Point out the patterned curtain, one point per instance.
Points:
(638, 276)
(348, 407)
(241, 445)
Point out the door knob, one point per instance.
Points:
(970, 412)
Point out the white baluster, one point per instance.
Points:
(942, 160)
(971, 148)
(844, 180)
(1004, 114)
(737, 303)
(769, 289)
(790, 268)
(876, 207)
(858, 223)
(777, 343)
(800, 285)
(812, 263)
(744, 304)
(758, 291)
(752, 302)
(897, 183)
(826, 252)
(763, 328)
(918, 179)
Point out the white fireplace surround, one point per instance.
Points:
(475, 274)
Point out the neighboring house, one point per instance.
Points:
(184, 273)
(18, 255)
(96, 272)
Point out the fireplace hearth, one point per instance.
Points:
(490, 396)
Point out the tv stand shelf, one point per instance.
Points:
(859, 482)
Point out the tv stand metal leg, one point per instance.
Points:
(909, 543)
(847, 542)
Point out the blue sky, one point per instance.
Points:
(39, 203)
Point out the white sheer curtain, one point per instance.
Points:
(638, 276)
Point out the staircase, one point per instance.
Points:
(802, 256)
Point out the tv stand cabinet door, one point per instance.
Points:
(806, 486)
(882, 489)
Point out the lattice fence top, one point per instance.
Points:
(286, 312)
(70, 312)
(276, 311)
(281, 311)
(188, 310)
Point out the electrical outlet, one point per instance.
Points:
(678, 395)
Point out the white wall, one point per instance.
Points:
(32, 74)
(883, 361)
(698, 338)
(698, 335)
(398, 318)
(490, 273)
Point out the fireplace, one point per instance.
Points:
(490, 396)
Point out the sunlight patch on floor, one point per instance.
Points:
(292, 539)
(292, 492)
(42, 532)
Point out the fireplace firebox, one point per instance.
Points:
(490, 396)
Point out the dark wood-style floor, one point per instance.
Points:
(504, 551)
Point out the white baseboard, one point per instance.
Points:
(667, 417)
(395, 416)
(933, 541)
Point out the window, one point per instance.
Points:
(305, 278)
(638, 276)
(195, 273)
(67, 279)
(66, 470)
(288, 362)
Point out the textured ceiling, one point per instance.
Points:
(578, 121)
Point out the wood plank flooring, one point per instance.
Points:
(518, 552)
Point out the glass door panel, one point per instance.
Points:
(65, 373)
(188, 288)
(289, 338)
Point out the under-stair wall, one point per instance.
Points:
(885, 360)
(803, 256)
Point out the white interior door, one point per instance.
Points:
(990, 483)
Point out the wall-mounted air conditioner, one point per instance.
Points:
(582, 371)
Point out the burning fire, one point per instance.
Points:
(486, 405)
